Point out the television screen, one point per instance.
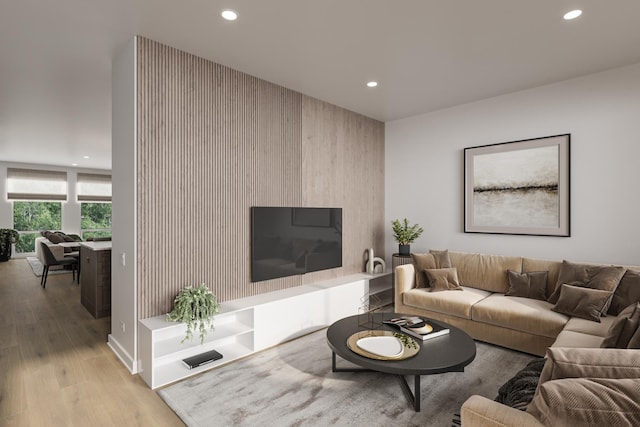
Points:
(286, 241)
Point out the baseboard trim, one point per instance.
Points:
(123, 355)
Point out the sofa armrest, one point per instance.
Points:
(479, 411)
(405, 279)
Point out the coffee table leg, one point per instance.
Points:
(336, 369)
(412, 397)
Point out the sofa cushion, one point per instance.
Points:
(423, 262)
(487, 272)
(572, 339)
(590, 327)
(587, 402)
(456, 304)
(582, 302)
(527, 285)
(627, 292)
(623, 328)
(443, 279)
(520, 314)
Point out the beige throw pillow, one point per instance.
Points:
(528, 285)
(423, 262)
(623, 328)
(581, 302)
(443, 279)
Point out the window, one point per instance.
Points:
(96, 220)
(29, 218)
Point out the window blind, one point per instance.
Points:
(33, 184)
(94, 187)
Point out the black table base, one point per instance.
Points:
(412, 396)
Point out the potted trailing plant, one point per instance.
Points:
(7, 238)
(405, 234)
(195, 306)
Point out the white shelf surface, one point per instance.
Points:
(176, 370)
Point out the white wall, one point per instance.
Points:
(424, 167)
(123, 341)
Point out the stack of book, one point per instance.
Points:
(417, 327)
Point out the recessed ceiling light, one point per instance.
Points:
(229, 14)
(572, 15)
(85, 157)
(74, 164)
(372, 84)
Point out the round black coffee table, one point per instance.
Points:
(447, 353)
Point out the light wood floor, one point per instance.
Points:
(55, 366)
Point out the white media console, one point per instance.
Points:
(248, 325)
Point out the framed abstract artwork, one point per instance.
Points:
(519, 187)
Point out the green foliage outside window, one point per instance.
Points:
(35, 216)
(96, 220)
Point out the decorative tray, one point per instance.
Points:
(383, 345)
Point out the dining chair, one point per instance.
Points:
(50, 260)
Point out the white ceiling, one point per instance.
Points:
(55, 56)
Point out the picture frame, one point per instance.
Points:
(519, 187)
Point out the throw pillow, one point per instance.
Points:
(528, 285)
(581, 302)
(623, 328)
(569, 272)
(422, 262)
(55, 238)
(443, 279)
(627, 292)
(606, 278)
(442, 258)
(634, 342)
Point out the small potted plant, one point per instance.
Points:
(7, 238)
(195, 306)
(405, 235)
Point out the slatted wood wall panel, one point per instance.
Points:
(212, 142)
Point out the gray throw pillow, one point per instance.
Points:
(623, 328)
(581, 302)
(532, 284)
(422, 262)
(627, 292)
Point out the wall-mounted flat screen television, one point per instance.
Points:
(286, 241)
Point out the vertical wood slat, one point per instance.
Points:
(212, 142)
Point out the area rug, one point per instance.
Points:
(38, 268)
(293, 385)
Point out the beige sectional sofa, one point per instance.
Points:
(487, 314)
(530, 325)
